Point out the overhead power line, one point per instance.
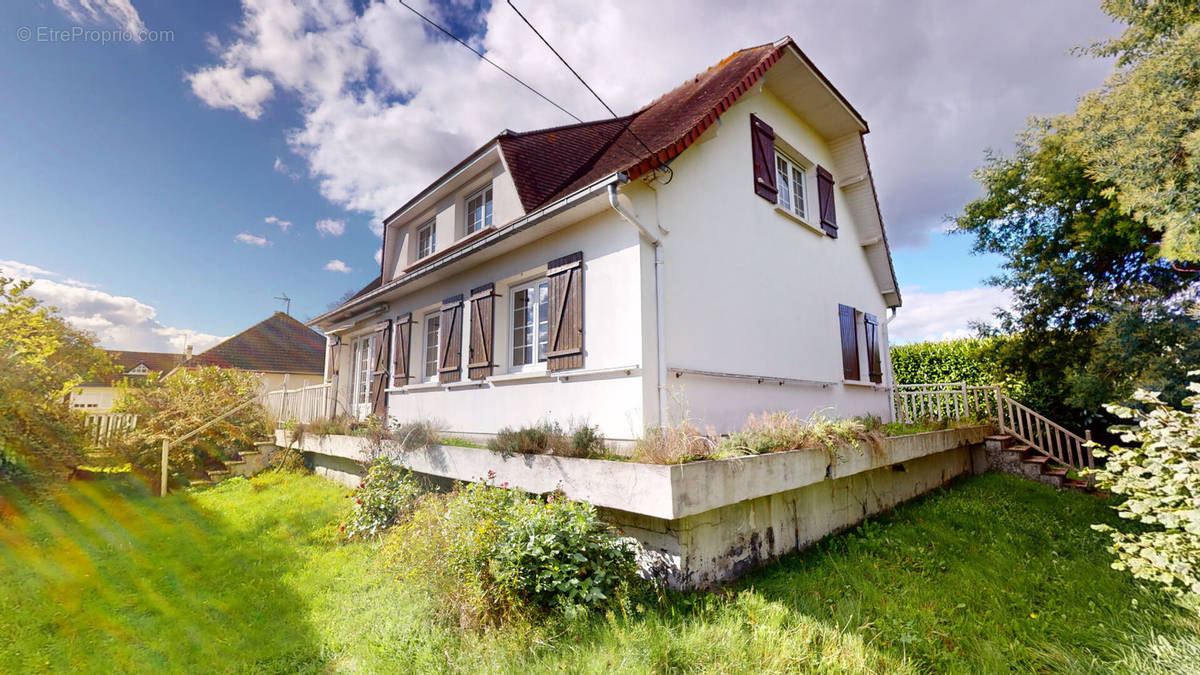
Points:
(497, 66)
(579, 77)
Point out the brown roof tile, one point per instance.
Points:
(279, 344)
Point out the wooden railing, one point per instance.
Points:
(103, 426)
(304, 405)
(958, 401)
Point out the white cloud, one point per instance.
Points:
(120, 13)
(387, 105)
(284, 169)
(119, 322)
(945, 315)
(379, 256)
(284, 225)
(252, 239)
(331, 226)
(336, 265)
(228, 87)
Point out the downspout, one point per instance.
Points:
(660, 346)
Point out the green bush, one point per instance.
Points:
(970, 360)
(386, 494)
(1159, 476)
(491, 555)
(548, 438)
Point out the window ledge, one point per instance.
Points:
(465, 384)
(863, 383)
(520, 376)
(420, 386)
(791, 216)
(563, 375)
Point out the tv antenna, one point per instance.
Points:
(283, 297)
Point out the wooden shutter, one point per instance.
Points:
(871, 327)
(825, 202)
(379, 369)
(564, 349)
(450, 340)
(402, 351)
(479, 351)
(762, 147)
(849, 332)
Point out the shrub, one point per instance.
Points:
(490, 555)
(779, 431)
(386, 494)
(1159, 476)
(548, 438)
(970, 360)
(673, 445)
(168, 408)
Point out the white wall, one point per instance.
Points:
(613, 289)
(93, 399)
(749, 290)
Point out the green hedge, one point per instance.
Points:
(970, 360)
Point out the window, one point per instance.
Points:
(426, 239)
(530, 318)
(433, 323)
(790, 180)
(479, 210)
(362, 374)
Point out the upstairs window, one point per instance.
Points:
(530, 319)
(433, 323)
(479, 210)
(790, 181)
(426, 240)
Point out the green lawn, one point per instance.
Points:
(993, 574)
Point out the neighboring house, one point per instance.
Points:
(717, 253)
(279, 349)
(98, 397)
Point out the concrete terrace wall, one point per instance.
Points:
(704, 523)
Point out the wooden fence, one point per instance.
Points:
(959, 401)
(304, 405)
(102, 427)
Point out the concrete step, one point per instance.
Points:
(234, 462)
(1038, 459)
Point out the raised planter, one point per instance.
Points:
(704, 522)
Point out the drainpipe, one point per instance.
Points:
(660, 347)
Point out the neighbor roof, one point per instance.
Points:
(158, 362)
(279, 344)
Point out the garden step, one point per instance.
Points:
(1019, 449)
(234, 462)
(1003, 439)
(1056, 471)
(1037, 459)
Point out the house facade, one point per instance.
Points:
(135, 367)
(718, 253)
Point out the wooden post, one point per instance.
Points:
(283, 399)
(999, 409)
(966, 408)
(166, 448)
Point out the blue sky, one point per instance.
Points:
(131, 169)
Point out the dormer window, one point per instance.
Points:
(426, 239)
(790, 181)
(479, 210)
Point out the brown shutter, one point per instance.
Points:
(825, 202)
(849, 332)
(379, 370)
(564, 349)
(762, 147)
(402, 351)
(450, 340)
(871, 327)
(483, 319)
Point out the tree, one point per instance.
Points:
(1140, 133)
(1096, 310)
(42, 359)
(168, 408)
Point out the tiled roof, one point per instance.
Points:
(551, 163)
(157, 362)
(279, 344)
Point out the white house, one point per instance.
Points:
(717, 253)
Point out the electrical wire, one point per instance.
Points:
(588, 86)
(497, 66)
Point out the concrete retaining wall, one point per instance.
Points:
(705, 523)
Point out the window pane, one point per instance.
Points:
(522, 326)
(781, 182)
(543, 318)
(432, 324)
(487, 209)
